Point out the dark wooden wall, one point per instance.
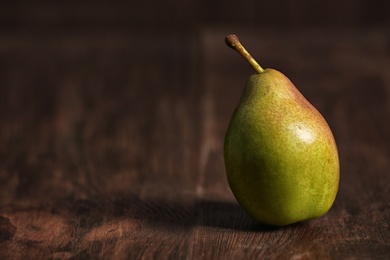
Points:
(112, 119)
(190, 14)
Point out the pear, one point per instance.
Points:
(280, 155)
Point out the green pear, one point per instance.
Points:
(281, 158)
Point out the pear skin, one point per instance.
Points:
(280, 155)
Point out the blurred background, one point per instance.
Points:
(173, 15)
(77, 76)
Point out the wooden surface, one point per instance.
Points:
(111, 143)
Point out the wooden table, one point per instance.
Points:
(111, 143)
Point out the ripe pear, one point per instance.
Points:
(280, 155)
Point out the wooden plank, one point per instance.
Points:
(112, 148)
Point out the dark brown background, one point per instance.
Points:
(113, 117)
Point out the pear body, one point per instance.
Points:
(281, 158)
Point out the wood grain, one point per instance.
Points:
(111, 145)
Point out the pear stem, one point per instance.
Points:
(233, 42)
